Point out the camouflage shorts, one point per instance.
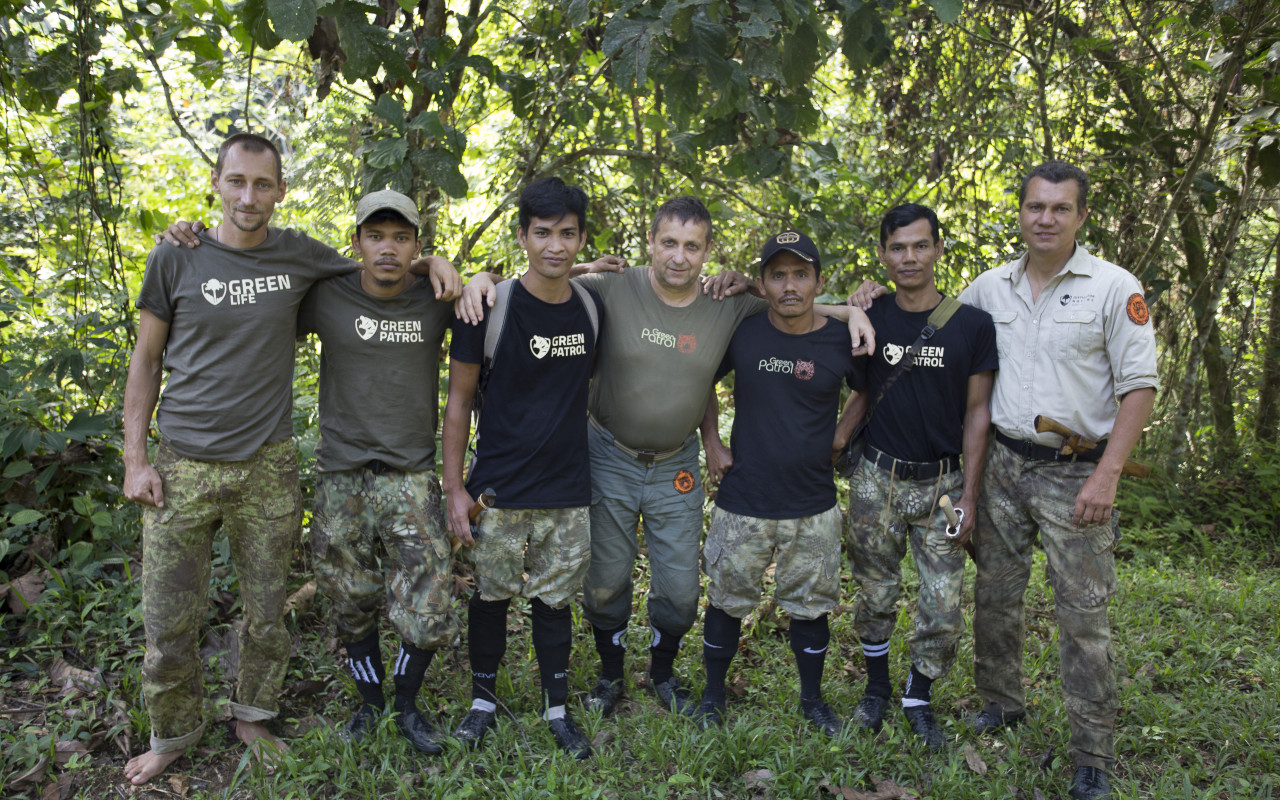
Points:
(886, 514)
(532, 552)
(739, 549)
(257, 505)
(1020, 499)
(359, 517)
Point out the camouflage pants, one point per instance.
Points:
(1020, 497)
(532, 552)
(357, 515)
(885, 513)
(739, 549)
(256, 503)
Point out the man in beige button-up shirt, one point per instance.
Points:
(1076, 344)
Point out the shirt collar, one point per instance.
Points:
(1080, 263)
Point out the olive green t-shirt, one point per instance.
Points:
(656, 364)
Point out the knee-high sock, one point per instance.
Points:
(809, 640)
(720, 634)
(487, 644)
(364, 659)
(552, 636)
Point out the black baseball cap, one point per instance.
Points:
(793, 242)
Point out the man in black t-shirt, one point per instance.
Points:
(926, 419)
(531, 449)
(777, 498)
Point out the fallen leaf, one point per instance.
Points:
(63, 751)
(302, 599)
(885, 790)
(759, 782)
(604, 737)
(25, 591)
(180, 784)
(1036, 795)
(73, 679)
(34, 774)
(974, 760)
(59, 789)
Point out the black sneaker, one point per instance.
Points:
(415, 727)
(822, 717)
(672, 696)
(1090, 783)
(925, 726)
(991, 719)
(708, 714)
(870, 711)
(359, 726)
(569, 738)
(474, 726)
(604, 696)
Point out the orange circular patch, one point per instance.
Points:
(683, 481)
(1137, 309)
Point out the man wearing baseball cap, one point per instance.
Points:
(777, 498)
(378, 532)
(922, 419)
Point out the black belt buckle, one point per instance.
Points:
(377, 467)
(646, 456)
(909, 470)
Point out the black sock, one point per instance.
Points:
(364, 659)
(662, 655)
(720, 634)
(613, 653)
(809, 640)
(919, 688)
(552, 637)
(486, 644)
(411, 665)
(877, 656)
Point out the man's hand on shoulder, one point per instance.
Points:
(445, 280)
(727, 283)
(867, 292)
(182, 234)
(862, 332)
(480, 293)
(605, 263)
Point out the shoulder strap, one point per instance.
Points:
(945, 310)
(497, 320)
(938, 318)
(588, 303)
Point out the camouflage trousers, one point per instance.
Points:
(1021, 497)
(532, 552)
(885, 514)
(358, 518)
(739, 549)
(257, 505)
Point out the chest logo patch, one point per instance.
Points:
(683, 481)
(213, 290)
(1137, 310)
(804, 370)
(365, 327)
(539, 346)
(687, 343)
(893, 353)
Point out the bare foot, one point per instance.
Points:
(265, 746)
(143, 768)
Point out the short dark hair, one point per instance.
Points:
(685, 208)
(552, 198)
(1057, 172)
(905, 214)
(386, 215)
(251, 143)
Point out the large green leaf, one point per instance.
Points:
(947, 10)
(629, 42)
(800, 56)
(387, 153)
(294, 20)
(441, 168)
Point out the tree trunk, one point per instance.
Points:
(1267, 425)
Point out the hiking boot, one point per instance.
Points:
(569, 738)
(708, 714)
(1090, 783)
(604, 696)
(359, 726)
(822, 717)
(991, 719)
(672, 696)
(870, 711)
(474, 726)
(415, 727)
(925, 726)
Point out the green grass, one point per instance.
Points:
(1197, 644)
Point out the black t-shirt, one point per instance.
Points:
(921, 417)
(532, 443)
(786, 400)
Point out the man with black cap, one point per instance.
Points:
(777, 498)
(927, 416)
(378, 529)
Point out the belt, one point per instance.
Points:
(910, 470)
(379, 467)
(1042, 452)
(643, 456)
